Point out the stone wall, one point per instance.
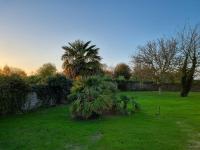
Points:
(32, 101)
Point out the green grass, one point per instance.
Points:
(176, 128)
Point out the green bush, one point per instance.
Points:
(33, 80)
(13, 91)
(53, 90)
(59, 87)
(92, 97)
(127, 105)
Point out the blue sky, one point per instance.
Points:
(32, 32)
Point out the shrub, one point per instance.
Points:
(13, 91)
(92, 97)
(59, 87)
(127, 105)
(53, 90)
(33, 80)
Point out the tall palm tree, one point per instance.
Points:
(81, 59)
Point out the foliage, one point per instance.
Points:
(60, 86)
(47, 70)
(13, 91)
(33, 79)
(122, 70)
(53, 90)
(92, 97)
(81, 59)
(107, 78)
(121, 78)
(8, 71)
(128, 105)
(96, 96)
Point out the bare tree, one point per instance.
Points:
(159, 57)
(142, 72)
(189, 48)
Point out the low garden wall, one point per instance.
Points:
(33, 101)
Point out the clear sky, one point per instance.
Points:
(32, 32)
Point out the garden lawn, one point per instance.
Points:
(177, 127)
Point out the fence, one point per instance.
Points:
(150, 86)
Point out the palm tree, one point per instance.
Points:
(81, 59)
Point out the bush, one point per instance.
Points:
(13, 91)
(59, 87)
(53, 90)
(92, 97)
(33, 80)
(127, 105)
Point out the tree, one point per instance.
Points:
(189, 46)
(8, 71)
(142, 72)
(107, 71)
(81, 59)
(158, 57)
(122, 69)
(46, 70)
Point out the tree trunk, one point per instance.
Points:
(186, 86)
(187, 78)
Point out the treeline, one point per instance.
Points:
(52, 88)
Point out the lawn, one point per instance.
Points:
(176, 128)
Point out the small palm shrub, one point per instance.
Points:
(92, 97)
(13, 92)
